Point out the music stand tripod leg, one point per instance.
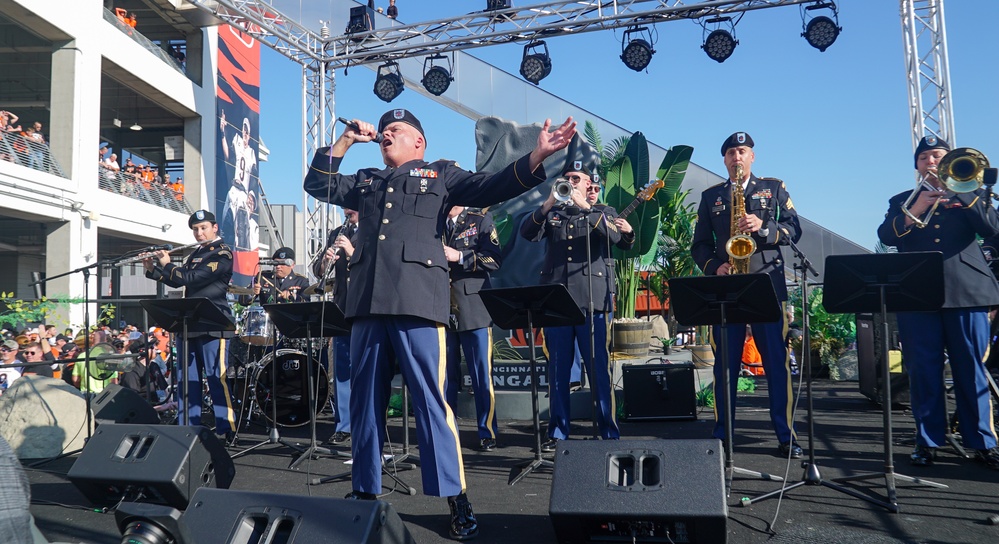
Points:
(405, 459)
(538, 461)
(313, 448)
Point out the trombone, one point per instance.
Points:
(959, 171)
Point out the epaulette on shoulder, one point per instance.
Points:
(224, 252)
(772, 179)
(475, 211)
(718, 184)
(447, 162)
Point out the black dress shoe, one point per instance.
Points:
(339, 438)
(922, 456)
(790, 448)
(989, 457)
(487, 444)
(548, 446)
(463, 524)
(360, 496)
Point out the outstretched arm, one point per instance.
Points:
(550, 142)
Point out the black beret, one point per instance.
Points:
(577, 166)
(402, 116)
(926, 144)
(284, 253)
(735, 140)
(200, 216)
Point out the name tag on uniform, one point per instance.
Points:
(718, 208)
(555, 220)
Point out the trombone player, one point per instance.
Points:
(757, 215)
(930, 218)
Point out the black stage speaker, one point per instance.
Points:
(869, 348)
(664, 391)
(166, 464)
(117, 404)
(239, 517)
(649, 490)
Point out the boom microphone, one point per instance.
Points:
(274, 262)
(378, 135)
(164, 247)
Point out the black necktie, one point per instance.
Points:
(450, 230)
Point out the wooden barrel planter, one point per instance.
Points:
(702, 356)
(631, 338)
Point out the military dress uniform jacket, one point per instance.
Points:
(565, 259)
(295, 283)
(398, 266)
(204, 274)
(952, 230)
(475, 237)
(341, 266)
(767, 198)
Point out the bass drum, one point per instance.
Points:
(291, 393)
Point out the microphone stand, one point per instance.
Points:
(594, 409)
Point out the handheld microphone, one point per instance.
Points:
(275, 262)
(378, 136)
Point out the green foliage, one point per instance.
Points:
(705, 396)
(17, 313)
(830, 334)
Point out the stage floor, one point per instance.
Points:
(848, 441)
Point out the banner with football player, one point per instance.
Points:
(236, 173)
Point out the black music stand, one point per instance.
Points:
(183, 316)
(885, 282)
(308, 320)
(720, 300)
(529, 307)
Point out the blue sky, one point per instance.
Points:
(833, 125)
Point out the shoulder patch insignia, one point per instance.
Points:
(213, 266)
(493, 237)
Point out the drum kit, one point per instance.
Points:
(255, 361)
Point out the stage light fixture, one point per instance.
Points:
(436, 78)
(820, 32)
(537, 64)
(637, 54)
(389, 84)
(719, 44)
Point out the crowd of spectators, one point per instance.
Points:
(47, 352)
(144, 181)
(26, 145)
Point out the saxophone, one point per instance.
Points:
(740, 246)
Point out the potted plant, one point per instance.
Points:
(625, 169)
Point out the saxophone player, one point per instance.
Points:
(758, 213)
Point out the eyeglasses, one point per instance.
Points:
(32, 353)
(574, 178)
(593, 189)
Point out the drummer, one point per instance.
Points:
(283, 284)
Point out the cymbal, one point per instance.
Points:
(240, 290)
(314, 289)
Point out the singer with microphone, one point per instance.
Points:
(203, 274)
(332, 271)
(399, 297)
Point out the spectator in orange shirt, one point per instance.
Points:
(752, 361)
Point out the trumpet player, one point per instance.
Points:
(960, 330)
(758, 211)
(205, 273)
(588, 273)
(335, 261)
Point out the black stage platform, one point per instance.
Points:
(848, 442)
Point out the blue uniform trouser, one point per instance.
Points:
(203, 358)
(477, 345)
(769, 339)
(341, 378)
(964, 334)
(419, 346)
(561, 343)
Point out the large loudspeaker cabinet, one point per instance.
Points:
(117, 404)
(869, 348)
(237, 517)
(166, 464)
(652, 490)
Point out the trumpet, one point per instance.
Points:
(147, 254)
(959, 171)
(562, 191)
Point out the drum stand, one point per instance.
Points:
(273, 436)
